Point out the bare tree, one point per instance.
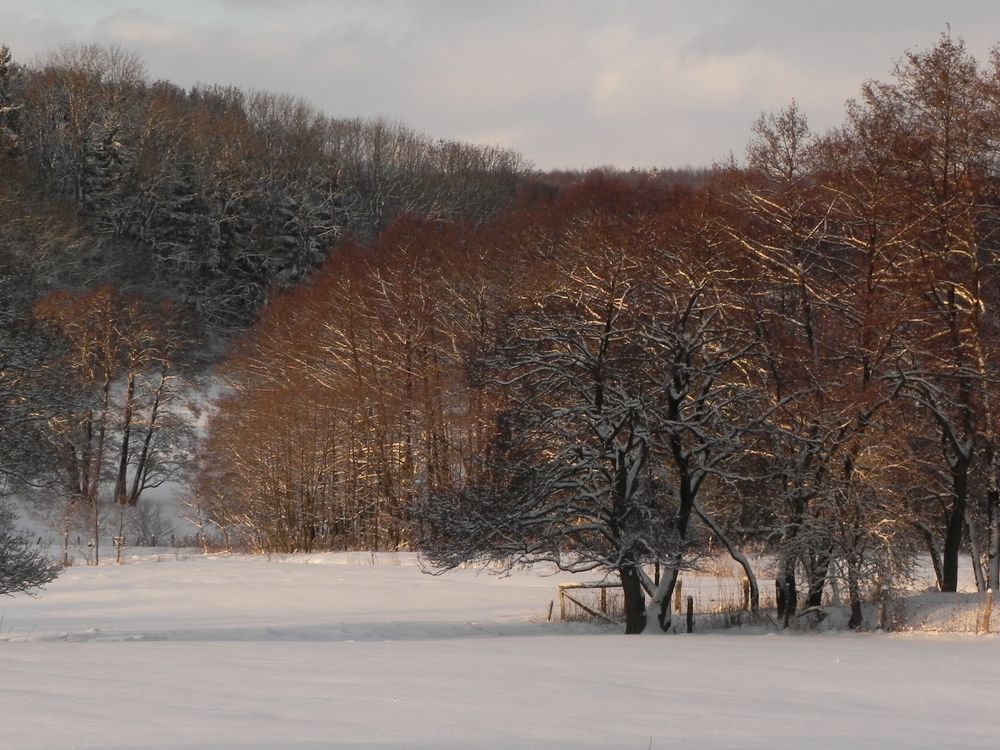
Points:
(571, 476)
(624, 391)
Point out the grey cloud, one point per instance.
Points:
(568, 82)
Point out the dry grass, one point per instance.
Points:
(949, 613)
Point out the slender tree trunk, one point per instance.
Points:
(976, 555)
(96, 523)
(786, 588)
(993, 551)
(933, 552)
(70, 509)
(735, 553)
(142, 465)
(121, 494)
(96, 467)
(854, 591)
(120, 539)
(788, 592)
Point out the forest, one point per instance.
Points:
(344, 334)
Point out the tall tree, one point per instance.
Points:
(947, 123)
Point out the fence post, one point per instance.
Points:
(677, 595)
(746, 594)
(551, 605)
(604, 600)
(988, 610)
(562, 605)
(690, 615)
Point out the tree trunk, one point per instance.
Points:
(956, 524)
(976, 555)
(687, 490)
(993, 549)
(635, 599)
(854, 590)
(786, 590)
(662, 597)
(121, 494)
(932, 550)
(819, 567)
(65, 532)
(788, 593)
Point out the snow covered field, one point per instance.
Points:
(333, 651)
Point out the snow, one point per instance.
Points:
(356, 651)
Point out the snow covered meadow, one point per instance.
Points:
(355, 651)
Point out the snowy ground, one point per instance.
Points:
(332, 651)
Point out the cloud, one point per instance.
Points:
(139, 29)
(569, 82)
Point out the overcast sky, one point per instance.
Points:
(568, 83)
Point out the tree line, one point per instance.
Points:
(142, 227)
(443, 351)
(218, 193)
(797, 351)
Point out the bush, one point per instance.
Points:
(22, 567)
